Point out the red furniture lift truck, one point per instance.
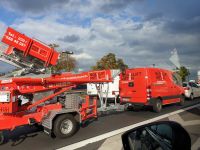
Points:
(61, 113)
(150, 87)
(61, 117)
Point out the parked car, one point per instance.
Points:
(192, 90)
(151, 86)
(198, 84)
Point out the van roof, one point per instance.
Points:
(148, 68)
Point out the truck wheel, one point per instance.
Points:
(157, 106)
(182, 100)
(65, 126)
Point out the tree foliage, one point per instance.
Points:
(110, 61)
(183, 72)
(65, 63)
(2, 74)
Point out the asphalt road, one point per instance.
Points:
(189, 119)
(32, 138)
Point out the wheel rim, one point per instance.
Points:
(1, 138)
(182, 100)
(66, 126)
(159, 105)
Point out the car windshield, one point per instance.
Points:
(184, 84)
(192, 84)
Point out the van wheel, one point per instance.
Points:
(1, 138)
(65, 126)
(182, 100)
(157, 105)
(191, 97)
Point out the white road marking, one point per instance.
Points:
(178, 119)
(114, 141)
(124, 129)
(195, 146)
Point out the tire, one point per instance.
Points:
(129, 108)
(182, 100)
(191, 97)
(1, 138)
(65, 126)
(157, 106)
(118, 99)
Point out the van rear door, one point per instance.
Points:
(133, 86)
(158, 83)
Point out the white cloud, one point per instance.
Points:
(130, 40)
(3, 27)
(139, 42)
(82, 56)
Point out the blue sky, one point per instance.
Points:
(142, 32)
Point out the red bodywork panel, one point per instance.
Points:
(29, 47)
(10, 121)
(139, 85)
(12, 114)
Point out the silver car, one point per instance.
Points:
(192, 90)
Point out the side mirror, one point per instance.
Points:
(164, 135)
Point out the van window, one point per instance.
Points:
(165, 76)
(177, 79)
(158, 76)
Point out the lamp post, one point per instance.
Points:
(67, 52)
(188, 74)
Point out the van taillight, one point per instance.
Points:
(148, 93)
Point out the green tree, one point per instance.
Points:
(183, 72)
(110, 61)
(65, 63)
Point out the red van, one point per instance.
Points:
(151, 86)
